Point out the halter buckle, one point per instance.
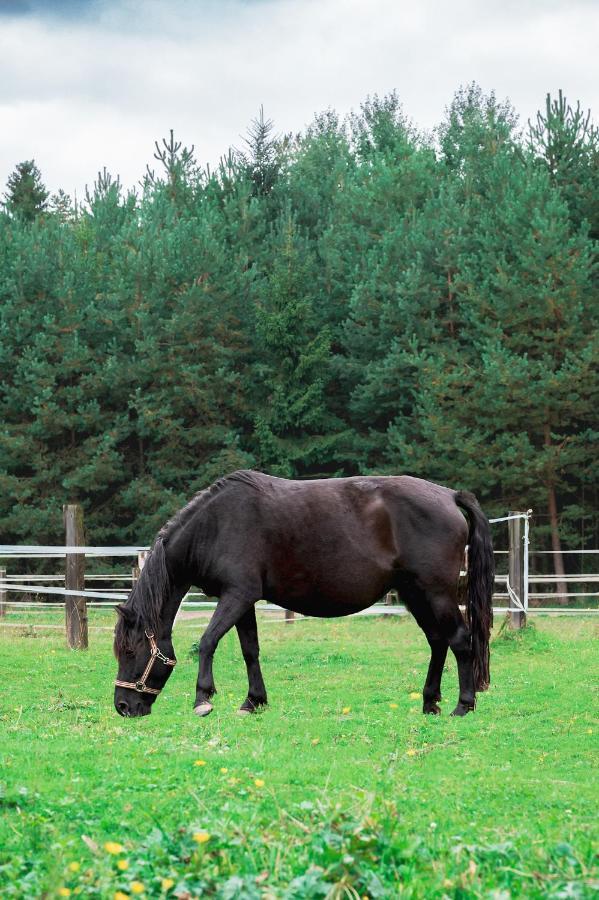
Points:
(140, 686)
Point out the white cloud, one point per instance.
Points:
(78, 93)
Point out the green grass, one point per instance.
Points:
(379, 801)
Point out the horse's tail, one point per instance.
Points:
(481, 580)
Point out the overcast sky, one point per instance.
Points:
(92, 83)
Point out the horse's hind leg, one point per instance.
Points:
(431, 692)
(231, 608)
(452, 625)
(417, 603)
(247, 630)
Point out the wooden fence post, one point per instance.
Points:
(289, 615)
(517, 616)
(75, 607)
(136, 570)
(3, 593)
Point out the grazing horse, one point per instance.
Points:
(326, 547)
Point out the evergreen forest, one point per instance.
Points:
(358, 298)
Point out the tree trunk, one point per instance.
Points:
(556, 546)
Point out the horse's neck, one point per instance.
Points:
(171, 607)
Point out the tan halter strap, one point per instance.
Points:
(155, 653)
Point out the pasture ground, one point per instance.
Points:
(340, 789)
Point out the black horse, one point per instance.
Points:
(327, 547)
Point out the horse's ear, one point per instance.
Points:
(125, 613)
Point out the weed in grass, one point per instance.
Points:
(528, 639)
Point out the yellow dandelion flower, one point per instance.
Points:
(345, 710)
(223, 770)
(259, 782)
(589, 730)
(123, 865)
(393, 706)
(74, 866)
(315, 741)
(113, 847)
(414, 695)
(64, 892)
(200, 762)
(166, 884)
(120, 896)
(201, 837)
(137, 887)
(411, 752)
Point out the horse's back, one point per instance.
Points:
(332, 546)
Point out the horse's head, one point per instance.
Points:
(146, 660)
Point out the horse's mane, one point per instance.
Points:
(181, 518)
(143, 607)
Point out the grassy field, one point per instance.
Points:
(340, 789)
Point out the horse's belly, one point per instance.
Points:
(323, 608)
(339, 598)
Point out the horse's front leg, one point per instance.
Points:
(231, 608)
(247, 630)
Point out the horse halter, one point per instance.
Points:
(155, 653)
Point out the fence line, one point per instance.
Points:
(546, 552)
(195, 624)
(533, 579)
(116, 595)
(516, 600)
(35, 550)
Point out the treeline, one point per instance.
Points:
(358, 298)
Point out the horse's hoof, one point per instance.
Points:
(250, 706)
(431, 709)
(462, 710)
(203, 709)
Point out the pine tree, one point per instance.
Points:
(294, 433)
(476, 126)
(179, 169)
(566, 141)
(370, 251)
(61, 205)
(26, 196)
(262, 160)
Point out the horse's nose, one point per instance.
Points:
(122, 707)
